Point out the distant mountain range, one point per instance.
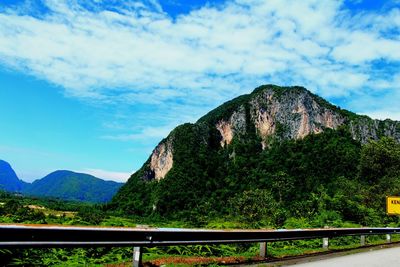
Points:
(62, 184)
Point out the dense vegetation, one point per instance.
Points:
(21, 209)
(326, 177)
(15, 208)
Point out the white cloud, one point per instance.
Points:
(147, 133)
(363, 47)
(136, 53)
(108, 175)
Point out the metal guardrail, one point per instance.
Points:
(63, 236)
(19, 236)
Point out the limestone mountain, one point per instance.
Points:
(9, 180)
(254, 141)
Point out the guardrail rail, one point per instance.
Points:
(30, 236)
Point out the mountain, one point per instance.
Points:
(66, 185)
(73, 186)
(9, 180)
(284, 149)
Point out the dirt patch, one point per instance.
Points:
(36, 207)
(195, 260)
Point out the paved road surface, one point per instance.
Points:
(389, 257)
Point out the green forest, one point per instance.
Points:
(324, 179)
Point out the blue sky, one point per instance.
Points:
(93, 86)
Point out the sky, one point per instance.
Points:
(93, 85)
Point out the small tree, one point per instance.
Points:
(12, 206)
(379, 159)
(254, 205)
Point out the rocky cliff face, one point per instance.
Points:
(292, 115)
(236, 125)
(161, 160)
(364, 129)
(275, 113)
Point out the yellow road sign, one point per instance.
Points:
(393, 205)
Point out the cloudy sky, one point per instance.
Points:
(94, 85)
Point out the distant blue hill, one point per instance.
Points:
(73, 186)
(62, 184)
(8, 178)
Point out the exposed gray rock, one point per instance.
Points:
(276, 114)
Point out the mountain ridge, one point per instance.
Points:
(198, 163)
(74, 186)
(9, 180)
(64, 184)
(230, 119)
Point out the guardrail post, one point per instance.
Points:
(388, 238)
(137, 257)
(325, 243)
(325, 240)
(263, 249)
(362, 240)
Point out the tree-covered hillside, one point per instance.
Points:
(70, 185)
(65, 185)
(270, 156)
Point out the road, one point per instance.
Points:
(383, 257)
(387, 255)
